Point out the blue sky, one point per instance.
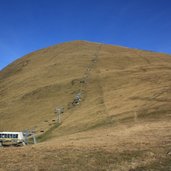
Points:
(28, 25)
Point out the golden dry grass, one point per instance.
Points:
(121, 124)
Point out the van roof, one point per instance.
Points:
(10, 132)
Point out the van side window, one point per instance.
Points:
(15, 135)
(6, 135)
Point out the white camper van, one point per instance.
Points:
(12, 138)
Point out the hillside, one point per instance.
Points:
(121, 123)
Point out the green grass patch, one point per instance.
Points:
(158, 165)
(47, 135)
(155, 114)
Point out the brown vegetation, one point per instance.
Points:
(122, 122)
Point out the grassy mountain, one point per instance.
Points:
(121, 123)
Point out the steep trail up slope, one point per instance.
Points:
(34, 85)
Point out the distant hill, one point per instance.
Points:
(122, 93)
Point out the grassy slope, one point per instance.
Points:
(122, 123)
